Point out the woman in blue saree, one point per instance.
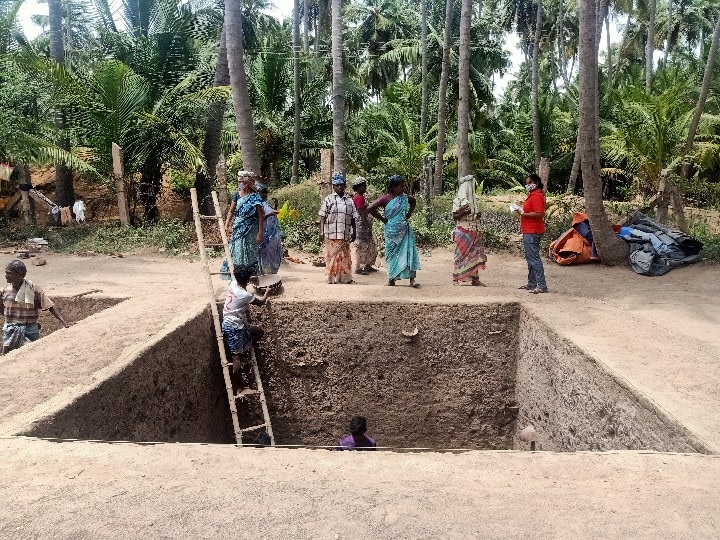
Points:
(271, 250)
(246, 215)
(401, 255)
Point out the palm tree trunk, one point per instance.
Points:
(668, 37)
(463, 151)
(561, 43)
(305, 21)
(238, 83)
(204, 180)
(650, 46)
(424, 69)
(322, 7)
(704, 90)
(601, 12)
(442, 105)
(296, 92)
(609, 50)
(64, 191)
(338, 88)
(480, 9)
(611, 249)
(534, 81)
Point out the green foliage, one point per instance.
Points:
(181, 181)
(304, 197)
(171, 236)
(301, 233)
(701, 230)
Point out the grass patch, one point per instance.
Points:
(171, 236)
(700, 230)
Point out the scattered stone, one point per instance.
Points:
(528, 434)
(39, 262)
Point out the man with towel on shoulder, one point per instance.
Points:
(21, 303)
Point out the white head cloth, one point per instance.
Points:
(466, 195)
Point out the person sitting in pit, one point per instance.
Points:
(358, 440)
(238, 332)
(21, 303)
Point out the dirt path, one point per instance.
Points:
(86, 490)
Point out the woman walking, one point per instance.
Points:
(271, 250)
(469, 242)
(532, 225)
(247, 217)
(337, 231)
(401, 255)
(365, 248)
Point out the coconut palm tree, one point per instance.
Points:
(442, 100)
(534, 84)
(611, 249)
(463, 152)
(704, 90)
(64, 192)
(650, 46)
(338, 87)
(238, 83)
(204, 178)
(296, 92)
(424, 68)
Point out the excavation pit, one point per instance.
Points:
(472, 378)
(74, 309)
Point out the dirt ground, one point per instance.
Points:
(658, 335)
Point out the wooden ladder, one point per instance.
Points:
(202, 246)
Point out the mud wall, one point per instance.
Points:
(575, 404)
(325, 362)
(172, 391)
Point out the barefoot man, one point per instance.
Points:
(21, 304)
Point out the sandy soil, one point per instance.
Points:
(659, 334)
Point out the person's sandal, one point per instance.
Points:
(524, 288)
(538, 290)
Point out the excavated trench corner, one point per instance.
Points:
(473, 377)
(74, 309)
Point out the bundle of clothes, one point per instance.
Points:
(655, 249)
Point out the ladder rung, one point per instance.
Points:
(209, 217)
(259, 426)
(219, 273)
(214, 245)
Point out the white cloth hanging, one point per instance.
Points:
(79, 211)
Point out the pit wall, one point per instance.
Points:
(74, 309)
(326, 362)
(171, 391)
(576, 404)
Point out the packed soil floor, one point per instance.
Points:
(657, 335)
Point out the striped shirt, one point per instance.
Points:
(18, 313)
(338, 213)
